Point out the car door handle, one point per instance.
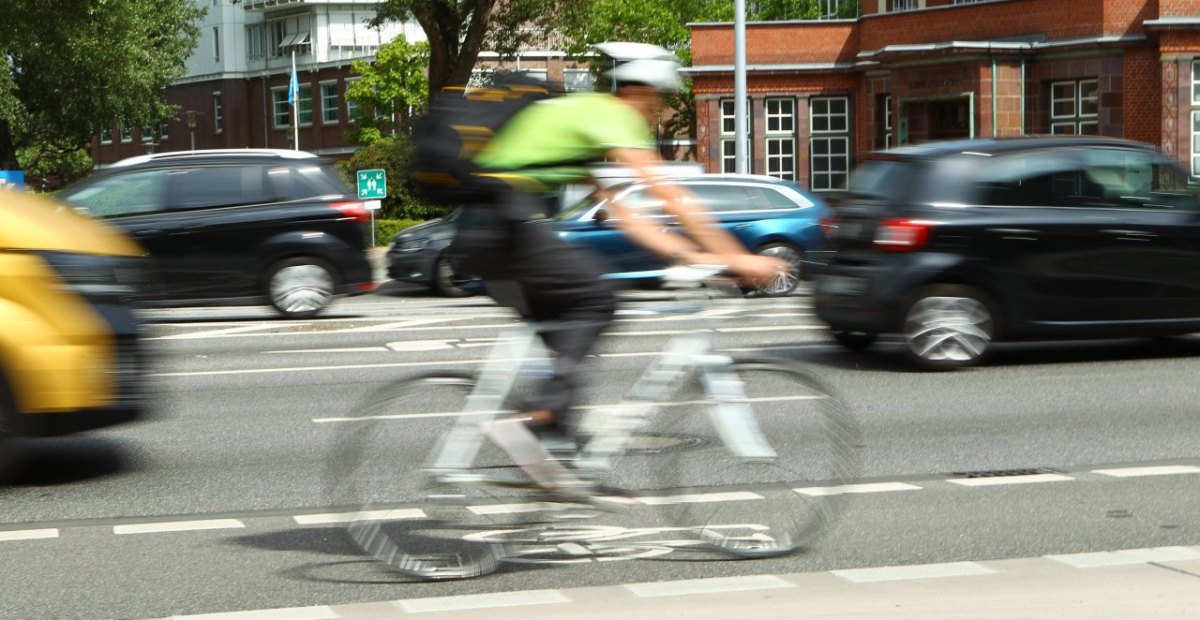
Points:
(1016, 234)
(1131, 235)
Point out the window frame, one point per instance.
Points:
(729, 155)
(326, 108)
(1077, 119)
(279, 95)
(216, 32)
(218, 113)
(829, 136)
(780, 136)
(106, 131)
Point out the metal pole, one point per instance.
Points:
(740, 156)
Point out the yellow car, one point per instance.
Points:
(70, 358)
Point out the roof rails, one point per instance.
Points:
(276, 153)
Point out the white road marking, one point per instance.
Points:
(691, 587)
(421, 345)
(1162, 470)
(29, 534)
(916, 571)
(768, 328)
(1125, 557)
(178, 526)
(399, 325)
(699, 498)
(229, 331)
(287, 613)
(364, 515)
(1002, 480)
(345, 350)
(481, 601)
(878, 487)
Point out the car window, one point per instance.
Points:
(1052, 178)
(728, 198)
(217, 186)
(1138, 179)
(122, 195)
(883, 179)
(301, 183)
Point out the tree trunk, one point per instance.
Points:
(8, 150)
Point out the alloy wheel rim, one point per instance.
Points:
(784, 282)
(948, 329)
(302, 288)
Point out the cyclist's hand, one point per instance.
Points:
(755, 270)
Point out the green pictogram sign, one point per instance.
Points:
(372, 184)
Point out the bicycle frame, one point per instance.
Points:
(731, 415)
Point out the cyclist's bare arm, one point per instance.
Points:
(705, 240)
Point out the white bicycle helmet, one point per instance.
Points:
(642, 63)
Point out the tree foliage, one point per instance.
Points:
(391, 154)
(393, 84)
(72, 66)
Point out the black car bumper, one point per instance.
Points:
(870, 292)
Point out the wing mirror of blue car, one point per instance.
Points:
(601, 216)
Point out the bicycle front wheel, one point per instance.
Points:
(740, 477)
(402, 512)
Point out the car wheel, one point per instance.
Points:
(445, 278)
(854, 341)
(786, 282)
(301, 287)
(949, 327)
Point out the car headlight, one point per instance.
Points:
(89, 274)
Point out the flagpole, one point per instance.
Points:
(295, 85)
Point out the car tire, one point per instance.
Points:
(949, 326)
(444, 277)
(301, 287)
(8, 421)
(854, 340)
(785, 283)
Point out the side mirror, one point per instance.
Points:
(601, 216)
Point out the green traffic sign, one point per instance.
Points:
(372, 184)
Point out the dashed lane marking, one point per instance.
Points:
(1128, 556)
(218, 333)
(846, 489)
(1003, 480)
(915, 571)
(29, 534)
(1133, 472)
(362, 515)
(178, 526)
(691, 587)
(285, 613)
(481, 601)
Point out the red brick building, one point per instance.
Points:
(825, 93)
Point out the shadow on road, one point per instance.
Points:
(63, 460)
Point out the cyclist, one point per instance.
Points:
(527, 267)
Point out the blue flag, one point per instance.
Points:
(294, 84)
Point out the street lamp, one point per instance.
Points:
(190, 117)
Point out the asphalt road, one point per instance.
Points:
(196, 511)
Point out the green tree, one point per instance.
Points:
(393, 84)
(72, 66)
(391, 154)
(458, 30)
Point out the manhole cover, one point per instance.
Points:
(654, 443)
(1000, 473)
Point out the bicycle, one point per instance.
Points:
(651, 460)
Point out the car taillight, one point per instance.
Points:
(902, 235)
(828, 226)
(354, 210)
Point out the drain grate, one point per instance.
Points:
(1001, 473)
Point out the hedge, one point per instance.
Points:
(386, 229)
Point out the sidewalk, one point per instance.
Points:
(1161, 583)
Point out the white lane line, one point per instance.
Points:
(346, 350)
(481, 601)
(398, 325)
(772, 328)
(29, 534)
(504, 509)
(286, 613)
(1163, 470)
(1126, 557)
(846, 489)
(691, 587)
(1001, 480)
(916, 571)
(408, 346)
(178, 526)
(699, 498)
(258, 371)
(362, 515)
(230, 331)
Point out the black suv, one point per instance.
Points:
(956, 245)
(238, 227)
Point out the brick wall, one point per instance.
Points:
(1179, 8)
(1057, 19)
(1141, 99)
(777, 43)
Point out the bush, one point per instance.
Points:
(392, 155)
(386, 229)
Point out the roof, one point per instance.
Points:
(213, 154)
(1001, 145)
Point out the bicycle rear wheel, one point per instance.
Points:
(739, 506)
(404, 514)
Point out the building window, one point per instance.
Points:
(904, 5)
(780, 138)
(218, 113)
(1074, 107)
(351, 107)
(147, 134)
(329, 103)
(964, 1)
(276, 35)
(164, 131)
(217, 43)
(106, 135)
(254, 41)
(729, 132)
(126, 134)
(888, 134)
(829, 144)
(279, 105)
(578, 80)
(829, 9)
(304, 105)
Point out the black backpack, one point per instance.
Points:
(459, 124)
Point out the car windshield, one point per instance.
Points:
(886, 179)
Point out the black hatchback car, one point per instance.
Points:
(957, 245)
(238, 227)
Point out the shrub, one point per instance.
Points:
(386, 229)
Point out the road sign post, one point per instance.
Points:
(372, 188)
